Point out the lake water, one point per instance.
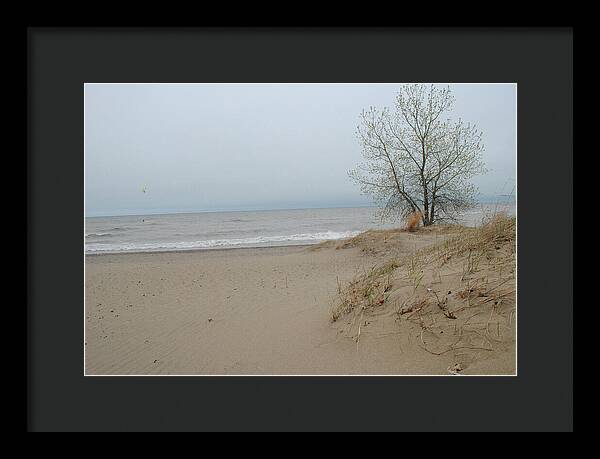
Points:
(211, 230)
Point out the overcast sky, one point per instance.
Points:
(203, 147)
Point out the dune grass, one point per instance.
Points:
(442, 287)
(368, 290)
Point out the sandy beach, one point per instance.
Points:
(268, 311)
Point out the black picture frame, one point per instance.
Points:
(60, 60)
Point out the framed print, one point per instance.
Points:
(245, 229)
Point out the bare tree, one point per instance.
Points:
(417, 161)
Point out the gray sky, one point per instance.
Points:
(199, 147)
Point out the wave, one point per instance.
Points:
(258, 241)
(98, 234)
(107, 233)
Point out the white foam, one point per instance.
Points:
(97, 234)
(259, 241)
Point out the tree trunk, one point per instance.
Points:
(426, 221)
(426, 211)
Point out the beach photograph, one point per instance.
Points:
(300, 229)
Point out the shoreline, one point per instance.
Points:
(134, 240)
(210, 249)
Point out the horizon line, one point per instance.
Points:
(134, 213)
(257, 209)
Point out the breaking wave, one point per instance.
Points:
(258, 241)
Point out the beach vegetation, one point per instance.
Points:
(416, 160)
(457, 294)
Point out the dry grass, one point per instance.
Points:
(413, 220)
(459, 293)
(367, 291)
(499, 233)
